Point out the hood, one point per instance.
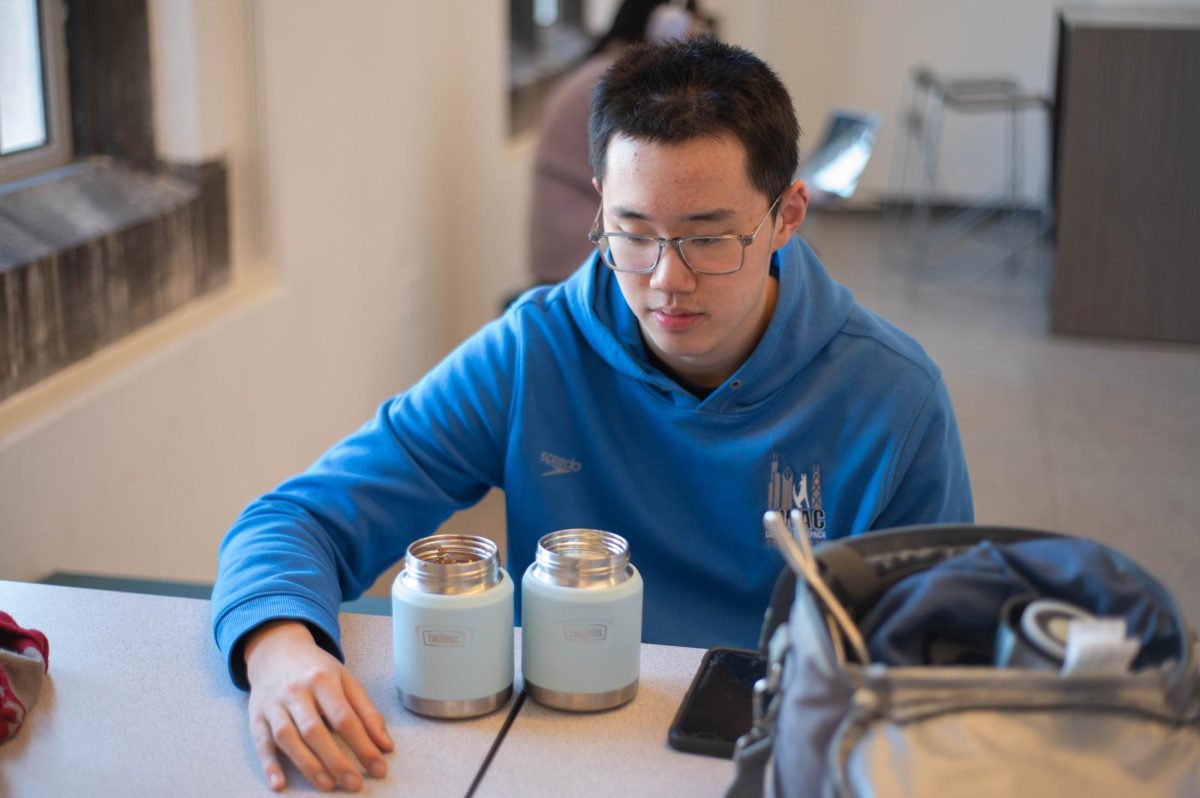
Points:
(810, 310)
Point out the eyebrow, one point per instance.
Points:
(715, 215)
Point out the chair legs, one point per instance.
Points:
(932, 238)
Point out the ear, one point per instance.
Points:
(793, 207)
(596, 185)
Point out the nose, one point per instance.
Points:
(671, 275)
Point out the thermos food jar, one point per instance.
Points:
(452, 631)
(581, 621)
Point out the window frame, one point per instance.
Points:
(59, 149)
(67, 291)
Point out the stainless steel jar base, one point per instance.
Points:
(582, 702)
(469, 708)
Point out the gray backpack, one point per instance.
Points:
(833, 718)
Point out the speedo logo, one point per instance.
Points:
(582, 632)
(444, 638)
(559, 465)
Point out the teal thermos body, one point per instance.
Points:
(581, 621)
(452, 631)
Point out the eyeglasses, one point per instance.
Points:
(635, 254)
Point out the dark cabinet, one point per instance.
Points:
(1127, 174)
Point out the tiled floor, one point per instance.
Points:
(1092, 436)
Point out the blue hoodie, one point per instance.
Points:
(836, 413)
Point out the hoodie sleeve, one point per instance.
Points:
(929, 483)
(324, 536)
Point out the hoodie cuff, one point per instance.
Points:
(233, 627)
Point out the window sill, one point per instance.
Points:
(146, 349)
(96, 250)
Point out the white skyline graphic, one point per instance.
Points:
(786, 492)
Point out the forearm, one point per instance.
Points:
(325, 535)
(273, 564)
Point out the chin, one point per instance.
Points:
(677, 346)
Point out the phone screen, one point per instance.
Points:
(718, 706)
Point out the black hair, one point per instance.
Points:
(698, 88)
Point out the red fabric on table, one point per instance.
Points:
(24, 661)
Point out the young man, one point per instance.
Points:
(700, 369)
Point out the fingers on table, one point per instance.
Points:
(303, 723)
(301, 732)
(264, 744)
(371, 717)
(343, 718)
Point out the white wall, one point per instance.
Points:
(391, 196)
(860, 53)
(379, 216)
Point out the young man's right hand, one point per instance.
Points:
(300, 695)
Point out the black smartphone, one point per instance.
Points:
(718, 706)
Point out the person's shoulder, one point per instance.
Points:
(537, 313)
(540, 300)
(887, 342)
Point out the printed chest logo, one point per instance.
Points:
(796, 489)
(559, 465)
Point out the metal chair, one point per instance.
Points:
(931, 97)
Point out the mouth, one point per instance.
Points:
(674, 319)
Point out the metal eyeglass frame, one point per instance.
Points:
(595, 235)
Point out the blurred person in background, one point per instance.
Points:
(563, 199)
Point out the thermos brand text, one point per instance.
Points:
(585, 631)
(444, 638)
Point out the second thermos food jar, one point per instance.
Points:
(581, 621)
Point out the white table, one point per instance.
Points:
(621, 752)
(138, 703)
